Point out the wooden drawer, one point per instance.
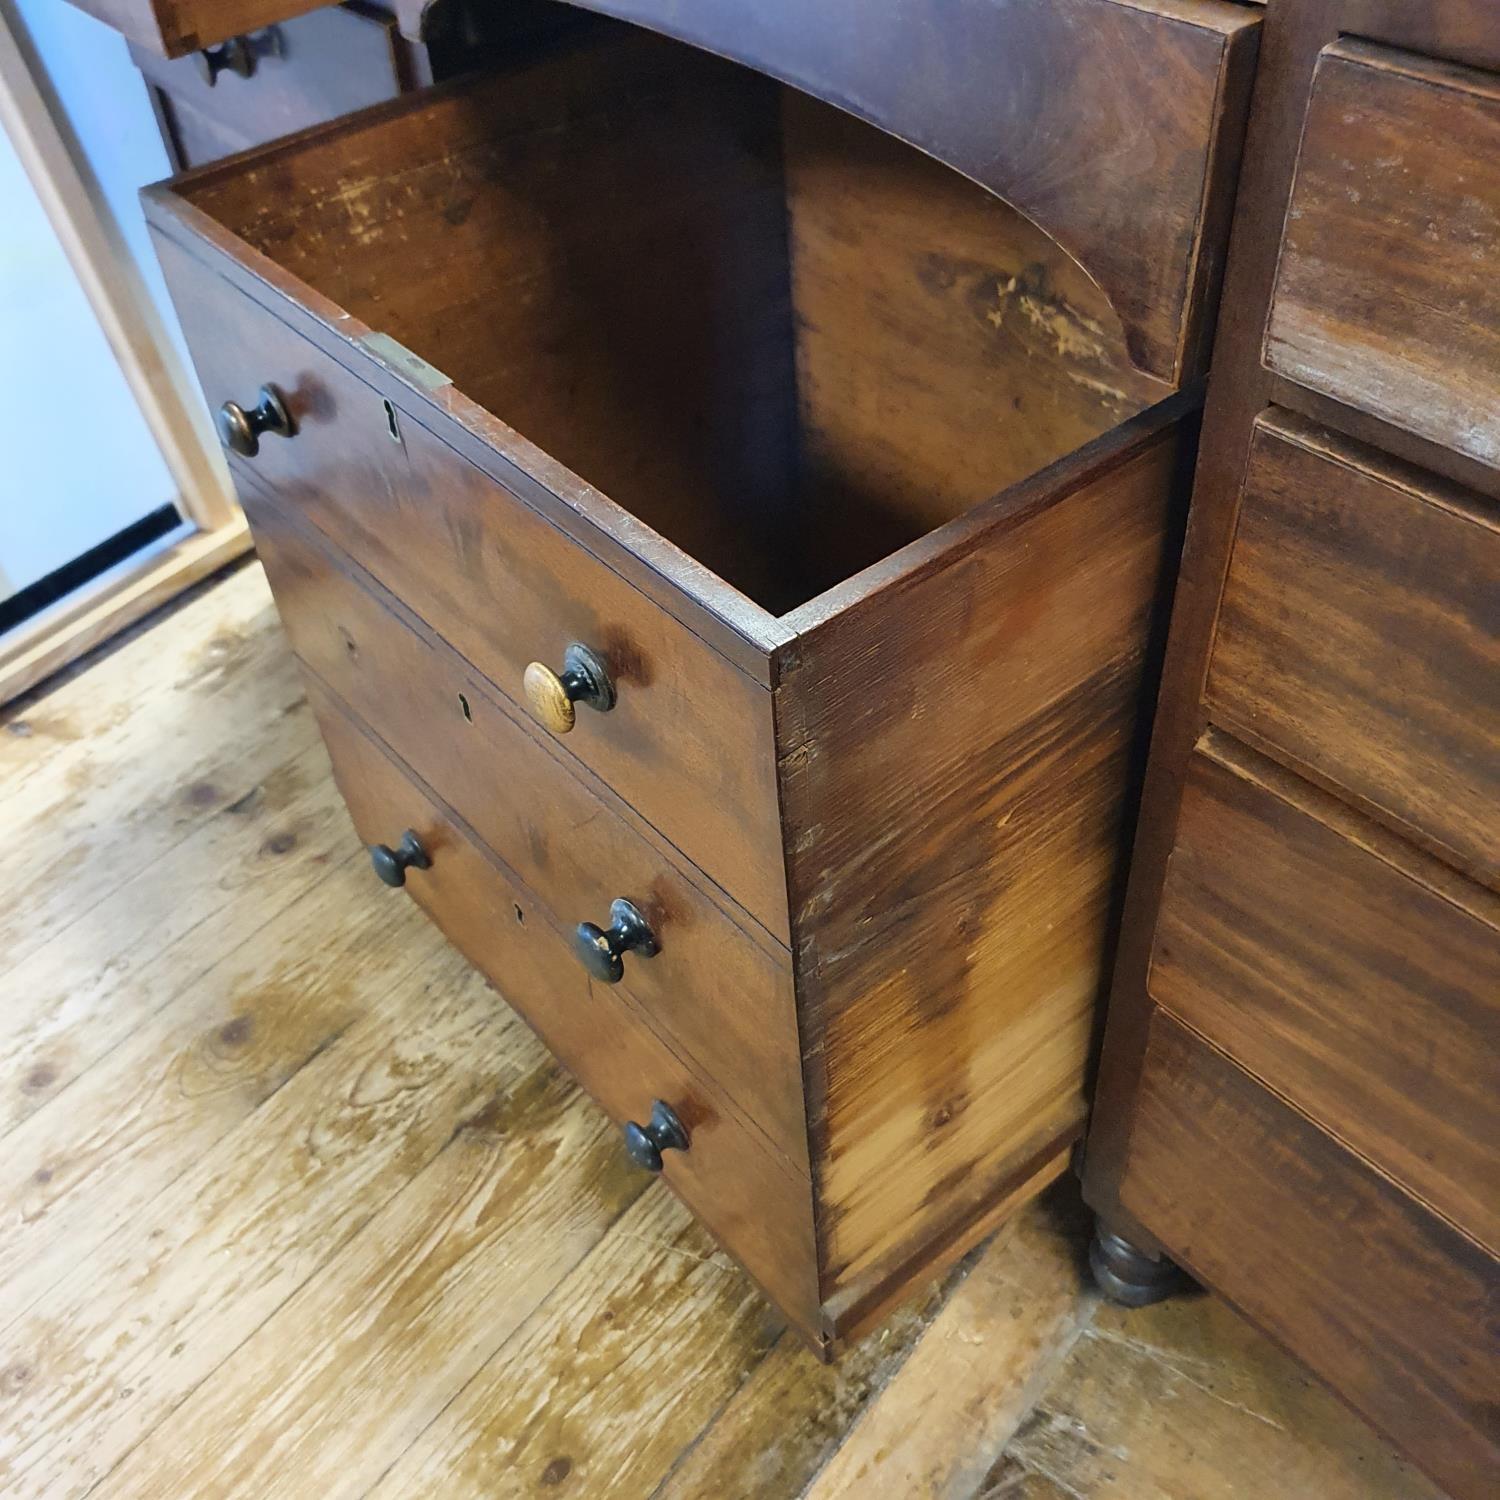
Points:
(862, 488)
(689, 740)
(1388, 289)
(173, 28)
(307, 71)
(757, 1207)
(1359, 632)
(1381, 1298)
(721, 995)
(1361, 981)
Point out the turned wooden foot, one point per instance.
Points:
(1126, 1274)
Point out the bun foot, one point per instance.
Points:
(1127, 1275)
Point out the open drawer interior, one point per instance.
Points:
(785, 340)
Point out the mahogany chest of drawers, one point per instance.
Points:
(726, 534)
(1300, 1087)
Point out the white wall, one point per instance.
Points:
(78, 462)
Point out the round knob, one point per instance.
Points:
(602, 951)
(584, 679)
(645, 1143)
(391, 865)
(234, 56)
(240, 430)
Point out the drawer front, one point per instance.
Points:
(1387, 1303)
(1358, 991)
(1360, 632)
(722, 996)
(759, 1210)
(689, 741)
(306, 71)
(1388, 291)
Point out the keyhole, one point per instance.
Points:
(391, 425)
(520, 915)
(468, 712)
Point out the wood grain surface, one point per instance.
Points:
(958, 351)
(1386, 293)
(1114, 126)
(1345, 972)
(284, 1291)
(957, 758)
(1314, 1245)
(1360, 636)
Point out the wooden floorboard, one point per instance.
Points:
(291, 1204)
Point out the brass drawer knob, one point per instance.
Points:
(645, 1143)
(602, 950)
(240, 430)
(584, 679)
(391, 865)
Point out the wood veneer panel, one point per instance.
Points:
(1360, 634)
(956, 770)
(1367, 997)
(1387, 1302)
(945, 347)
(1388, 289)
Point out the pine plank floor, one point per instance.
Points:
(292, 1205)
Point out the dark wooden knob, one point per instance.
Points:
(236, 56)
(602, 950)
(392, 864)
(240, 430)
(551, 695)
(645, 1143)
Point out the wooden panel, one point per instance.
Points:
(325, 64)
(1360, 633)
(721, 994)
(1114, 126)
(689, 741)
(946, 348)
(1381, 1298)
(750, 1199)
(1365, 995)
(1388, 291)
(956, 771)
